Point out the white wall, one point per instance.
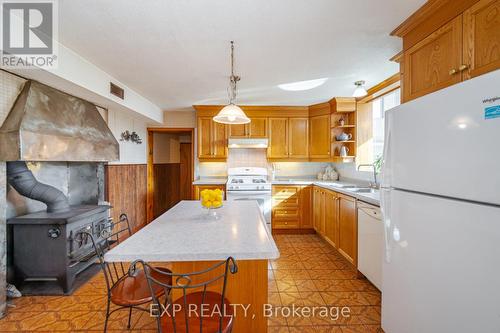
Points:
(179, 119)
(166, 148)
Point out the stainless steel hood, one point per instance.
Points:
(247, 143)
(46, 124)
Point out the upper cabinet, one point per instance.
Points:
(319, 144)
(288, 138)
(256, 129)
(212, 140)
(433, 63)
(446, 42)
(481, 24)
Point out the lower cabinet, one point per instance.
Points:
(199, 188)
(348, 228)
(291, 207)
(334, 218)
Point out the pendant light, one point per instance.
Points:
(360, 90)
(231, 113)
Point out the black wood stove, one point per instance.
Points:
(46, 246)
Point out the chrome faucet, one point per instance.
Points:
(374, 184)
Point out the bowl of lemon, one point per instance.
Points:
(211, 200)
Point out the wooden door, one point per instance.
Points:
(186, 172)
(278, 138)
(205, 146)
(258, 128)
(238, 131)
(298, 146)
(306, 207)
(481, 28)
(322, 216)
(434, 62)
(319, 146)
(331, 227)
(348, 228)
(219, 140)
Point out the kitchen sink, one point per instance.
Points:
(363, 190)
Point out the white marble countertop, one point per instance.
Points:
(371, 198)
(211, 181)
(185, 233)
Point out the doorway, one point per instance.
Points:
(170, 168)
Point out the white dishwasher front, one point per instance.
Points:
(370, 243)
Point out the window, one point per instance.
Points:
(379, 106)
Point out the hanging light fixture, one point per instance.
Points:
(360, 90)
(231, 113)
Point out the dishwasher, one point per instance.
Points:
(370, 242)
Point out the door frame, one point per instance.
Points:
(150, 172)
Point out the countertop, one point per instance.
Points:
(210, 181)
(371, 198)
(186, 233)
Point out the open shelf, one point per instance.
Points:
(346, 141)
(345, 126)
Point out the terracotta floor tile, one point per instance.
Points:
(309, 273)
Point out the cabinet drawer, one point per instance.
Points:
(286, 214)
(285, 224)
(286, 202)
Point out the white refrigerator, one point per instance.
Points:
(440, 197)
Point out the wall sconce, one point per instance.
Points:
(134, 137)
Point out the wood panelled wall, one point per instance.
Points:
(126, 188)
(166, 187)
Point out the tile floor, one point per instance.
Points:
(309, 273)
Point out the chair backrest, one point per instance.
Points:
(110, 235)
(214, 277)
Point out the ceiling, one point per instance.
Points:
(176, 52)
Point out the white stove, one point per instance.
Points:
(248, 179)
(250, 184)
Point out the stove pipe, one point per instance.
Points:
(22, 179)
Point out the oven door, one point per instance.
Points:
(263, 198)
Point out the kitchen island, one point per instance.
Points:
(191, 241)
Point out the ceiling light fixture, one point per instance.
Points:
(232, 113)
(302, 85)
(360, 90)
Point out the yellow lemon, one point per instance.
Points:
(217, 204)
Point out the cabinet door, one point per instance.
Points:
(434, 62)
(319, 146)
(306, 206)
(278, 138)
(481, 38)
(238, 131)
(331, 227)
(316, 209)
(298, 129)
(219, 139)
(205, 147)
(258, 128)
(348, 230)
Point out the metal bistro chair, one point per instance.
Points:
(124, 290)
(178, 316)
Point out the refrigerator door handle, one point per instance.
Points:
(385, 205)
(385, 188)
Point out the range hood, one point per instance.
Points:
(46, 124)
(247, 143)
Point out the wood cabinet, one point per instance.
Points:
(212, 139)
(481, 33)
(433, 63)
(319, 137)
(306, 207)
(446, 42)
(288, 138)
(256, 129)
(347, 228)
(285, 203)
(199, 188)
(331, 218)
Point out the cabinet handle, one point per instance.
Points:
(453, 71)
(463, 67)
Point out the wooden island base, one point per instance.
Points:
(247, 287)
